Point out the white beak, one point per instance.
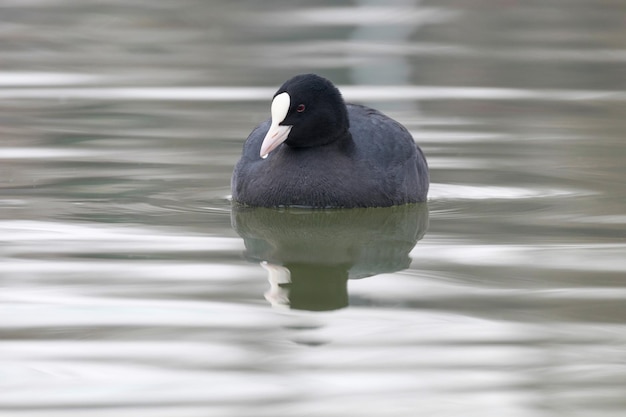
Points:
(277, 133)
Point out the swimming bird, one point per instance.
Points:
(316, 151)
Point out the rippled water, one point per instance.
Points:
(128, 286)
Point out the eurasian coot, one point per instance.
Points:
(317, 151)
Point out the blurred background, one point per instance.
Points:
(128, 286)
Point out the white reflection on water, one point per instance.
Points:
(35, 236)
(490, 192)
(30, 79)
(380, 46)
(358, 93)
(44, 153)
(575, 257)
(157, 156)
(371, 15)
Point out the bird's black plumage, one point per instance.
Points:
(335, 155)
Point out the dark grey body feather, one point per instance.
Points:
(377, 165)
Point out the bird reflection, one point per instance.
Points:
(309, 255)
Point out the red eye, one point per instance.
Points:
(300, 108)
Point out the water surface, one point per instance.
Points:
(129, 285)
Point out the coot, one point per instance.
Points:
(317, 151)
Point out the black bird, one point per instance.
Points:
(317, 151)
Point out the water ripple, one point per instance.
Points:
(30, 232)
(599, 257)
(30, 79)
(488, 192)
(352, 92)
